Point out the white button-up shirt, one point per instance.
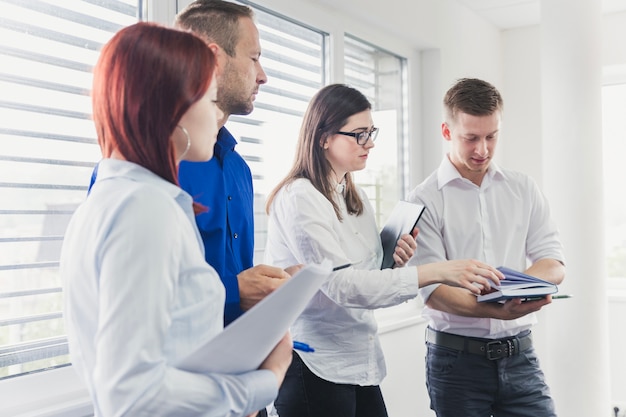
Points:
(504, 222)
(139, 296)
(339, 321)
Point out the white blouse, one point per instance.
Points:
(339, 321)
(139, 296)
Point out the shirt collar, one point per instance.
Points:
(225, 143)
(117, 168)
(447, 173)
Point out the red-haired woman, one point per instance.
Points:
(138, 292)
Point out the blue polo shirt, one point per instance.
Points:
(224, 186)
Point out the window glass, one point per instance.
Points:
(47, 150)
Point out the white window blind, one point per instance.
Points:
(47, 151)
(381, 76)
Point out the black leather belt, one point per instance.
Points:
(492, 349)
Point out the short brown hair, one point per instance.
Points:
(471, 96)
(216, 21)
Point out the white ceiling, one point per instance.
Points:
(507, 14)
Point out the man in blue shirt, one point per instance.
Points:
(227, 228)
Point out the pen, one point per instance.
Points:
(554, 297)
(337, 268)
(302, 346)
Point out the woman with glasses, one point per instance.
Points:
(317, 212)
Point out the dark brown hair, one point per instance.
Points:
(327, 113)
(216, 21)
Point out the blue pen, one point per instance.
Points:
(302, 346)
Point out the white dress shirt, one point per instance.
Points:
(139, 296)
(339, 321)
(504, 222)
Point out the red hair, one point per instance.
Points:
(145, 80)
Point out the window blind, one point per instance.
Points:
(380, 76)
(47, 151)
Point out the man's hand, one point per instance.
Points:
(515, 308)
(257, 282)
(463, 303)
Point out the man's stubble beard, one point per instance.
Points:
(231, 100)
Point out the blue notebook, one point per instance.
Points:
(517, 285)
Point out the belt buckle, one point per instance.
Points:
(499, 349)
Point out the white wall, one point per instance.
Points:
(404, 388)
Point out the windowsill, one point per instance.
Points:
(616, 289)
(52, 393)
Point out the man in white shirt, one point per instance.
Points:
(480, 359)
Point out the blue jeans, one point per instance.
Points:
(462, 384)
(304, 394)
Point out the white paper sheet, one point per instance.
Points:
(246, 342)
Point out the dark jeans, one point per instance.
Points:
(467, 385)
(304, 394)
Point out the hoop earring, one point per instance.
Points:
(188, 141)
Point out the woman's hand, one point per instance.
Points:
(405, 248)
(471, 274)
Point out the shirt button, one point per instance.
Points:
(230, 197)
(235, 235)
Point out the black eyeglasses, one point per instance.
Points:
(362, 137)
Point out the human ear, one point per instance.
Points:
(445, 131)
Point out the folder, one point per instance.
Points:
(402, 220)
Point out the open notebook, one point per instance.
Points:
(517, 285)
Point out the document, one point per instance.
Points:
(402, 220)
(517, 285)
(246, 342)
